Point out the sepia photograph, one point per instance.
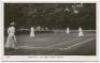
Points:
(50, 29)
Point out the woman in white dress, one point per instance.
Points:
(32, 32)
(67, 30)
(80, 32)
(11, 39)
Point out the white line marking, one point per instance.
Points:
(29, 47)
(80, 43)
(62, 43)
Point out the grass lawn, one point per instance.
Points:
(54, 44)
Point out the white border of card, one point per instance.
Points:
(40, 58)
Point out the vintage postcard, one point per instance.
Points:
(49, 31)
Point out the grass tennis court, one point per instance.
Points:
(55, 44)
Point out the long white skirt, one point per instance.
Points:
(80, 34)
(10, 43)
(32, 34)
(67, 31)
